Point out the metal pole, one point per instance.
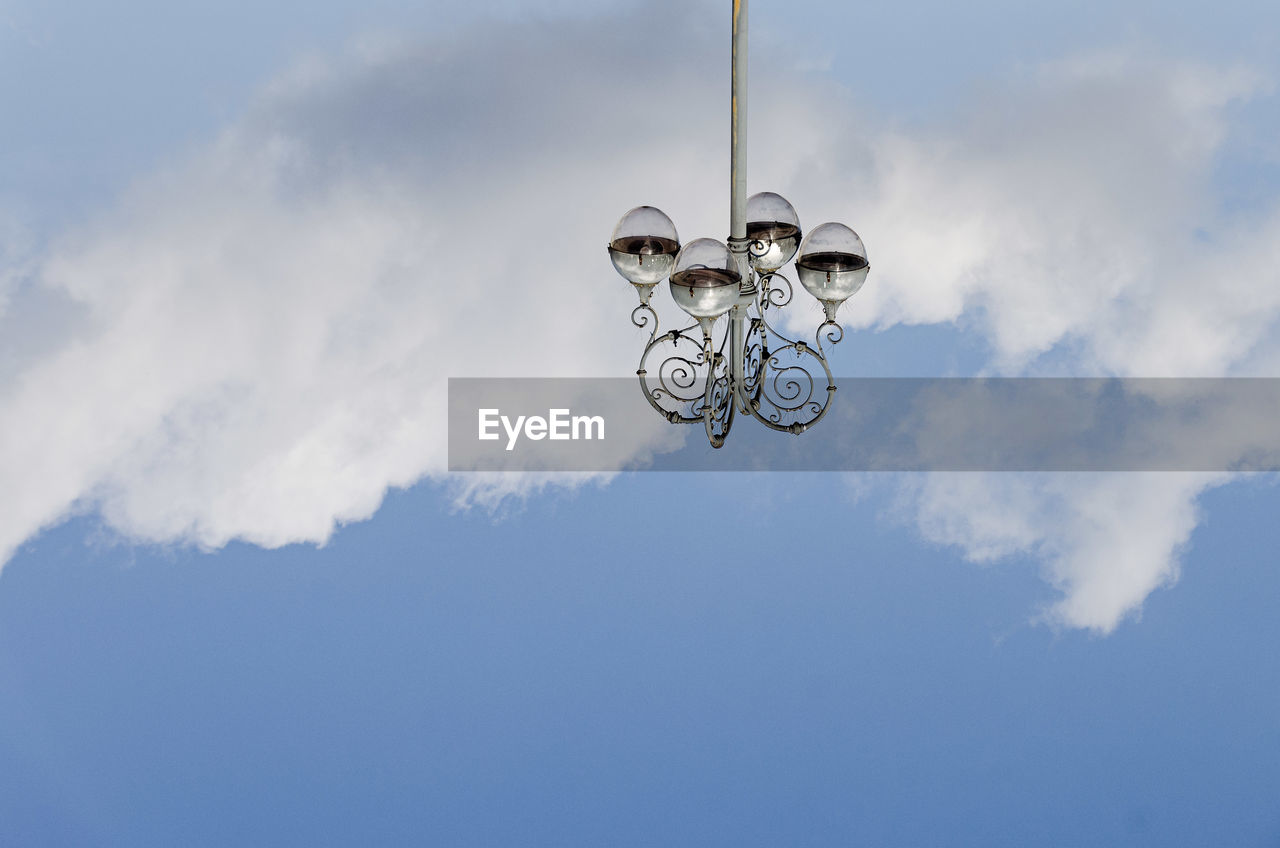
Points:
(738, 146)
(738, 243)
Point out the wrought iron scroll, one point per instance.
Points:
(675, 373)
(688, 379)
(781, 391)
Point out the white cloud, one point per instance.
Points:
(1105, 540)
(269, 324)
(1072, 205)
(260, 333)
(1072, 215)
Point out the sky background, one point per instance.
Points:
(242, 248)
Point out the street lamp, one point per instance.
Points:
(752, 368)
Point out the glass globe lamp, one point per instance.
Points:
(774, 227)
(832, 265)
(643, 248)
(705, 281)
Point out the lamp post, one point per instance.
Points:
(751, 368)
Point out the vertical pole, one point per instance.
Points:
(738, 243)
(738, 144)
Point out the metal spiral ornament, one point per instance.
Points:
(676, 386)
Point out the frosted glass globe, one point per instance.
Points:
(833, 263)
(705, 280)
(644, 246)
(773, 223)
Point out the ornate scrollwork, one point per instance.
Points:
(753, 368)
(755, 352)
(788, 396)
(718, 405)
(771, 296)
(832, 332)
(677, 386)
(642, 316)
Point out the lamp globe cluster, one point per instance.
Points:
(704, 275)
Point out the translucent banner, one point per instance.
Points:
(999, 424)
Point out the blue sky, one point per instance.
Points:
(547, 680)
(243, 602)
